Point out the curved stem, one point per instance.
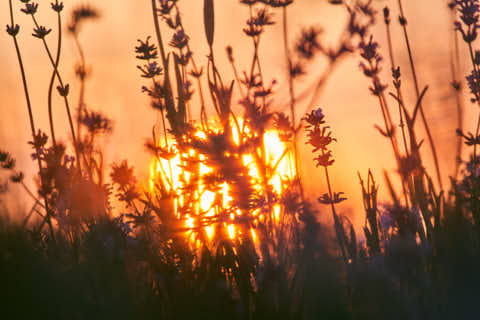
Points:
(75, 144)
(30, 116)
(52, 79)
(417, 91)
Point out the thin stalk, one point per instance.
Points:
(335, 216)
(393, 66)
(75, 144)
(30, 116)
(52, 78)
(417, 91)
(477, 131)
(81, 95)
(292, 95)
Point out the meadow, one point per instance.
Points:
(221, 224)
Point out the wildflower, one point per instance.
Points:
(8, 162)
(39, 140)
(145, 50)
(3, 155)
(337, 198)
(315, 117)
(470, 139)
(165, 6)
(386, 15)
(96, 122)
(261, 18)
(396, 77)
(17, 177)
(57, 6)
(468, 11)
(196, 73)
(63, 91)
(368, 51)
(80, 14)
(179, 39)
(41, 32)
(150, 70)
(30, 8)
(253, 81)
(122, 174)
(13, 30)
(320, 138)
(377, 87)
(473, 81)
(308, 43)
(297, 69)
(174, 24)
(282, 124)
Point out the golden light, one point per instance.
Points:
(213, 213)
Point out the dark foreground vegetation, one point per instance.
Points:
(98, 248)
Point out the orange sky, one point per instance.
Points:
(115, 84)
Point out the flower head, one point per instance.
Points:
(41, 32)
(145, 50)
(13, 30)
(57, 6)
(30, 8)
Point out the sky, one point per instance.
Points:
(114, 84)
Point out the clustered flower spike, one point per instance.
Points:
(41, 32)
(319, 137)
(371, 64)
(95, 122)
(150, 70)
(79, 15)
(13, 30)
(469, 14)
(57, 6)
(179, 39)
(165, 6)
(30, 8)
(308, 43)
(337, 198)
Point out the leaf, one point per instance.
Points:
(209, 20)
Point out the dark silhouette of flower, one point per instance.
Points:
(57, 6)
(41, 32)
(96, 122)
(337, 198)
(179, 39)
(79, 15)
(150, 70)
(13, 30)
(30, 8)
(308, 43)
(63, 91)
(145, 50)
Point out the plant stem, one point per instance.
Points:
(417, 91)
(30, 116)
(52, 79)
(75, 143)
(292, 97)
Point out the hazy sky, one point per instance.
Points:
(114, 86)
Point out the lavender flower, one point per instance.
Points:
(30, 8)
(41, 32)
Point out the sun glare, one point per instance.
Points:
(213, 212)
